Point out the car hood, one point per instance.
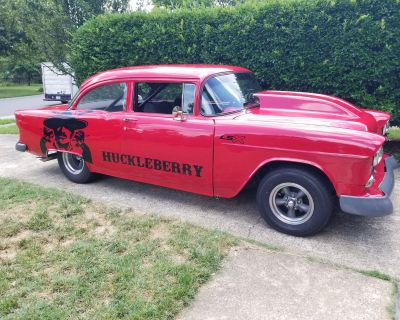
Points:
(314, 109)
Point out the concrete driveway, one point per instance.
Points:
(9, 105)
(356, 242)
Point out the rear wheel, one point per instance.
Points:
(74, 167)
(295, 201)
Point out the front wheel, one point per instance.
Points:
(295, 201)
(74, 167)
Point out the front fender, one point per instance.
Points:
(343, 156)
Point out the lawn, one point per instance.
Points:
(394, 133)
(6, 121)
(64, 257)
(9, 129)
(11, 90)
(8, 126)
(393, 145)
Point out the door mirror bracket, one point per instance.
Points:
(178, 114)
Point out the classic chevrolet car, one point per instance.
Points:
(210, 129)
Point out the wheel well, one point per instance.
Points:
(273, 165)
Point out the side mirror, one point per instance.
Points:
(251, 98)
(178, 114)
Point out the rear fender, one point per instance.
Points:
(48, 131)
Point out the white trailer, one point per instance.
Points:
(56, 85)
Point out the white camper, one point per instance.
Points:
(56, 85)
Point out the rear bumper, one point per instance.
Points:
(20, 147)
(57, 97)
(373, 206)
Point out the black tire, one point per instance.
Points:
(282, 205)
(74, 168)
(64, 101)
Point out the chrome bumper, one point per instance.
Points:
(20, 147)
(373, 206)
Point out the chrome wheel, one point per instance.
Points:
(291, 203)
(73, 163)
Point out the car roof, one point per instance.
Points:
(168, 71)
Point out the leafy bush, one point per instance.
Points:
(347, 48)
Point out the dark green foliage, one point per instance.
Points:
(346, 48)
(174, 4)
(35, 31)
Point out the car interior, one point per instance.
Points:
(158, 97)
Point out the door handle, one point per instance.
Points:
(129, 119)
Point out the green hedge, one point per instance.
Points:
(347, 48)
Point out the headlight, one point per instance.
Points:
(386, 128)
(370, 181)
(378, 157)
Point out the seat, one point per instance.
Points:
(164, 107)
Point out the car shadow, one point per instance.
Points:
(242, 208)
(358, 242)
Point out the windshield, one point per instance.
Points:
(228, 93)
(73, 99)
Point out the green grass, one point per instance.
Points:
(391, 309)
(376, 274)
(394, 133)
(6, 121)
(63, 257)
(11, 90)
(267, 246)
(9, 129)
(8, 126)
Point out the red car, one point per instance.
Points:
(210, 129)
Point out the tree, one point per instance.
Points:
(9, 34)
(19, 55)
(78, 11)
(50, 23)
(32, 31)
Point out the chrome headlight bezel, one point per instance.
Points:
(370, 181)
(386, 128)
(378, 157)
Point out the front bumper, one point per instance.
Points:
(373, 206)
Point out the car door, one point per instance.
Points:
(101, 109)
(170, 151)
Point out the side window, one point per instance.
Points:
(110, 97)
(189, 90)
(163, 97)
